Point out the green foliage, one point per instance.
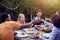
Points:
(10, 4)
(30, 6)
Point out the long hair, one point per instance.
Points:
(19, 16)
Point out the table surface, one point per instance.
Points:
(28, 38)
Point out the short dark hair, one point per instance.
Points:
(56, 20)
(41, 22)
(3, 17)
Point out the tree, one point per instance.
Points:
(31, 6)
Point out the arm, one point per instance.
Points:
(28, 24)
(17, 25)
(49, 24)
(53, 35)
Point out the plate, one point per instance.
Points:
(19, 31)
(30, 32)
(30, 29)
(22, 36)
(46, 35)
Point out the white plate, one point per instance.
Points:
(19, 31)
(22, 36)
(30, 32)
(45, 35)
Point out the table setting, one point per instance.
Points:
(34, 33)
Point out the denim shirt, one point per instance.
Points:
(49, 24)
(54, 33)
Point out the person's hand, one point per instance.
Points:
(37, 18)
(37, 27)
(34, 21)
(42, 20)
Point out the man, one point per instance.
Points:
(7, 26)
(56, 21)
(38, 16)
(55, 34)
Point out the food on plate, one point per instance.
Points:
(35, 36)
(37, 33)
(47, 29)
(40, 28)
(22, 35)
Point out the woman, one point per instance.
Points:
(21, 18)
(7, 27)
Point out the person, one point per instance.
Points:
(56, 21)
(47, 19)
(55, 34)
(7, 26)
(46, 22)
(38, 16)
(21, 18)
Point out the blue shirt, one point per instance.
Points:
(54, 33)
(49, 24)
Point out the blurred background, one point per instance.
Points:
(29, 7)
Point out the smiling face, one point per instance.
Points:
(39, 14)
(21, 17)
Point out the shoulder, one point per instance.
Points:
(10, 22)
(14, 22)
